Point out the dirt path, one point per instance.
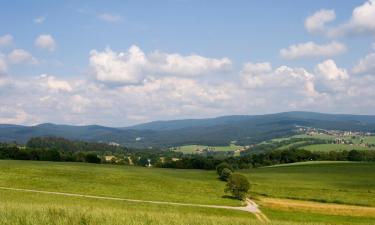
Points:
(251, 206)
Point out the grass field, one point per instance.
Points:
(195, 149)
(190, 186)
(343, 182)
(333, 147)
(317, 181)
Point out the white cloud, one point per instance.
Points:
(108, 17)
(363, 18)
(6, 40)
(54, 84)
(366, 64)
(252, 74)
(311, 49)
(123, 67)
(362, 21)
(3, 66)
(45, 41)
(134, 66)
(317, 22)
(261, 76)
(329, 70)
(12, 115)
(21, 56)
(192, 65)
(39, 20)
(79, 103)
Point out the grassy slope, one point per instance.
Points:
(193, 186)
(188, 186)
(333, 147)
(350, 183)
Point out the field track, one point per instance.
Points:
(251, 206)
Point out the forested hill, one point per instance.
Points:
(215, 131)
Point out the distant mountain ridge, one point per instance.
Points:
(213, 131)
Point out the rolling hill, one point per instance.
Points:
(215, 131)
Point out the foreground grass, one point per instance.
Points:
(33, 209)
(349, 183)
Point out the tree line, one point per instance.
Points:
(60, 149)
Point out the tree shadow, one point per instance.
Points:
(229, 197)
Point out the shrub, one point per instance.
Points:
(225, 174)
(238, 186)
(92, 158)
(221, 166)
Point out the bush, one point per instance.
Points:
(92, 158)
(238, 186)
(225, 174)
(221, 166)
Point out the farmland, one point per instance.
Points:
(196, 149)
(299, 141)
(302, 181)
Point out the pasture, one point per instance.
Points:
(324, 182)
(197, 149)
(334, 147)
(350, 183)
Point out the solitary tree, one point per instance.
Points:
(225, 174)
(238, 186)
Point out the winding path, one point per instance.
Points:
(251, 206)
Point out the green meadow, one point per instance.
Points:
(337, 182)
(344, 183)
(334, 147)
(194, 149)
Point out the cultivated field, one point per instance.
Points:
(181, 186)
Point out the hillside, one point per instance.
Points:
(215, 131)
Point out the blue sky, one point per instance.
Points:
(124, 62)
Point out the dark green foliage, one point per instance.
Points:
(225, 174)
(355, 155)
(92, 158)
(238, 186)
(222, 166)
(62, 144)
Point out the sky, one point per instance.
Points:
(119, 63)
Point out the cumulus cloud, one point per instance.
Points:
(134, 66)
(3, 65)
(123, 67)
(108, 17)
(317, 22)
(12, 115)
(18, 56)
(261, 75)
(6, 40)
(329, 70)
(362, 21)
(311, 49)
(45, 41)
(366, 64)
(54, 84)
